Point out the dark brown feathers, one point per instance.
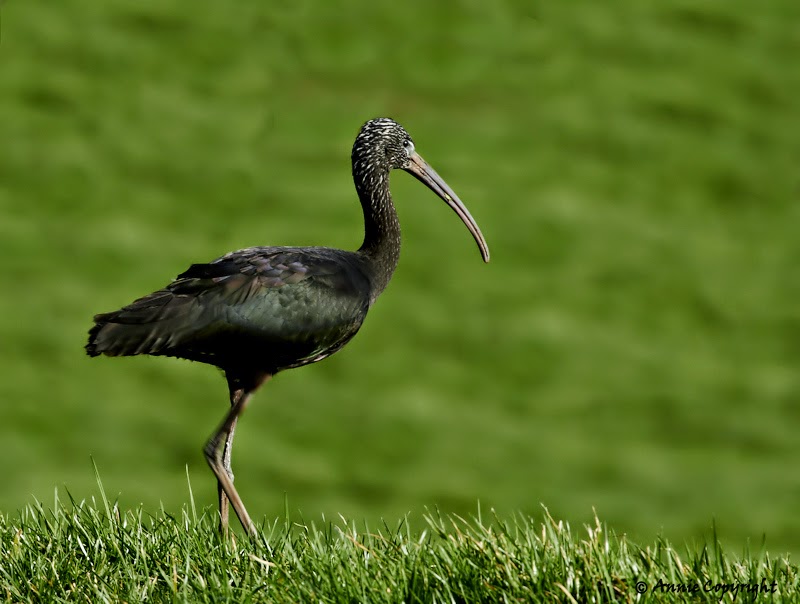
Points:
(280, 306)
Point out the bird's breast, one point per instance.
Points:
(293, 326)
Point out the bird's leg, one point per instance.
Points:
(215, 455)
(218, 453)
(226, 463)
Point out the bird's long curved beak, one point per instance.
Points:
(420, 169)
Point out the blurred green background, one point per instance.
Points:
(633, 347)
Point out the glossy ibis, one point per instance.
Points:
(258, 311)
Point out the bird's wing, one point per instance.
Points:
(277, 292)
(244, 272)
(237, 277)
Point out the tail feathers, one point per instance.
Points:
(154, 324)
(118, 339)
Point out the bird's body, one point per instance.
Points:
(264, 308)
(261, 310)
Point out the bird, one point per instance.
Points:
(258, 311)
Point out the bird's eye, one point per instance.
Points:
(409, 147)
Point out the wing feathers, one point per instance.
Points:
(200, 299)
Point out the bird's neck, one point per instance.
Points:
(381, 247)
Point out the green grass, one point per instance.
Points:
(94, 551)
(632, 348)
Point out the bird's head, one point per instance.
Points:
(383, 145)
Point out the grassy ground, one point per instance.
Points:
(632, 347)
(90, 552)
